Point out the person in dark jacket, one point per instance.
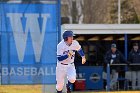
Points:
(114, 56)
(134, 58)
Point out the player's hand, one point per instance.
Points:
(111, 61)
(83, 60)
(70, 53)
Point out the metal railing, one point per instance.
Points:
(108, 72)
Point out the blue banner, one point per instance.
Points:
(28, 40)
(93, 76)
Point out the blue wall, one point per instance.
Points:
(28, 40)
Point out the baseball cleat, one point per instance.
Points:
(68, 89)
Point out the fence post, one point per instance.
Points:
(108, 77)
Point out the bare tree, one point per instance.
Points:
(74, 10)
(136, 4)
(102, 11)
(70, 10)
(80, 14)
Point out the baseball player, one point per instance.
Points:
(114, 56)
(65, 66)
(134, 58)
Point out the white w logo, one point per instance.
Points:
(32, 25)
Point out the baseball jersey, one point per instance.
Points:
(63, 49)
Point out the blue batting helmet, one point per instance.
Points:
(68, 33)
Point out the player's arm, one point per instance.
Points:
(122, 58)
(60, 55)
(63, 57)
(107, 58)
(81, 52)
(130, 57)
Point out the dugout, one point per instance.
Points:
(97, 38)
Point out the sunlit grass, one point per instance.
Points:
(20, 89)
(38, 89)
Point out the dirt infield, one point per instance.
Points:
(38, 89)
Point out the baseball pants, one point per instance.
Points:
(62, 71)
(135, 77)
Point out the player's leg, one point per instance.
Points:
(71, 75)
(134, 80)
(60, 75)
(114, 79)
(138, 77)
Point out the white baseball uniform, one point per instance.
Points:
(65, 66)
